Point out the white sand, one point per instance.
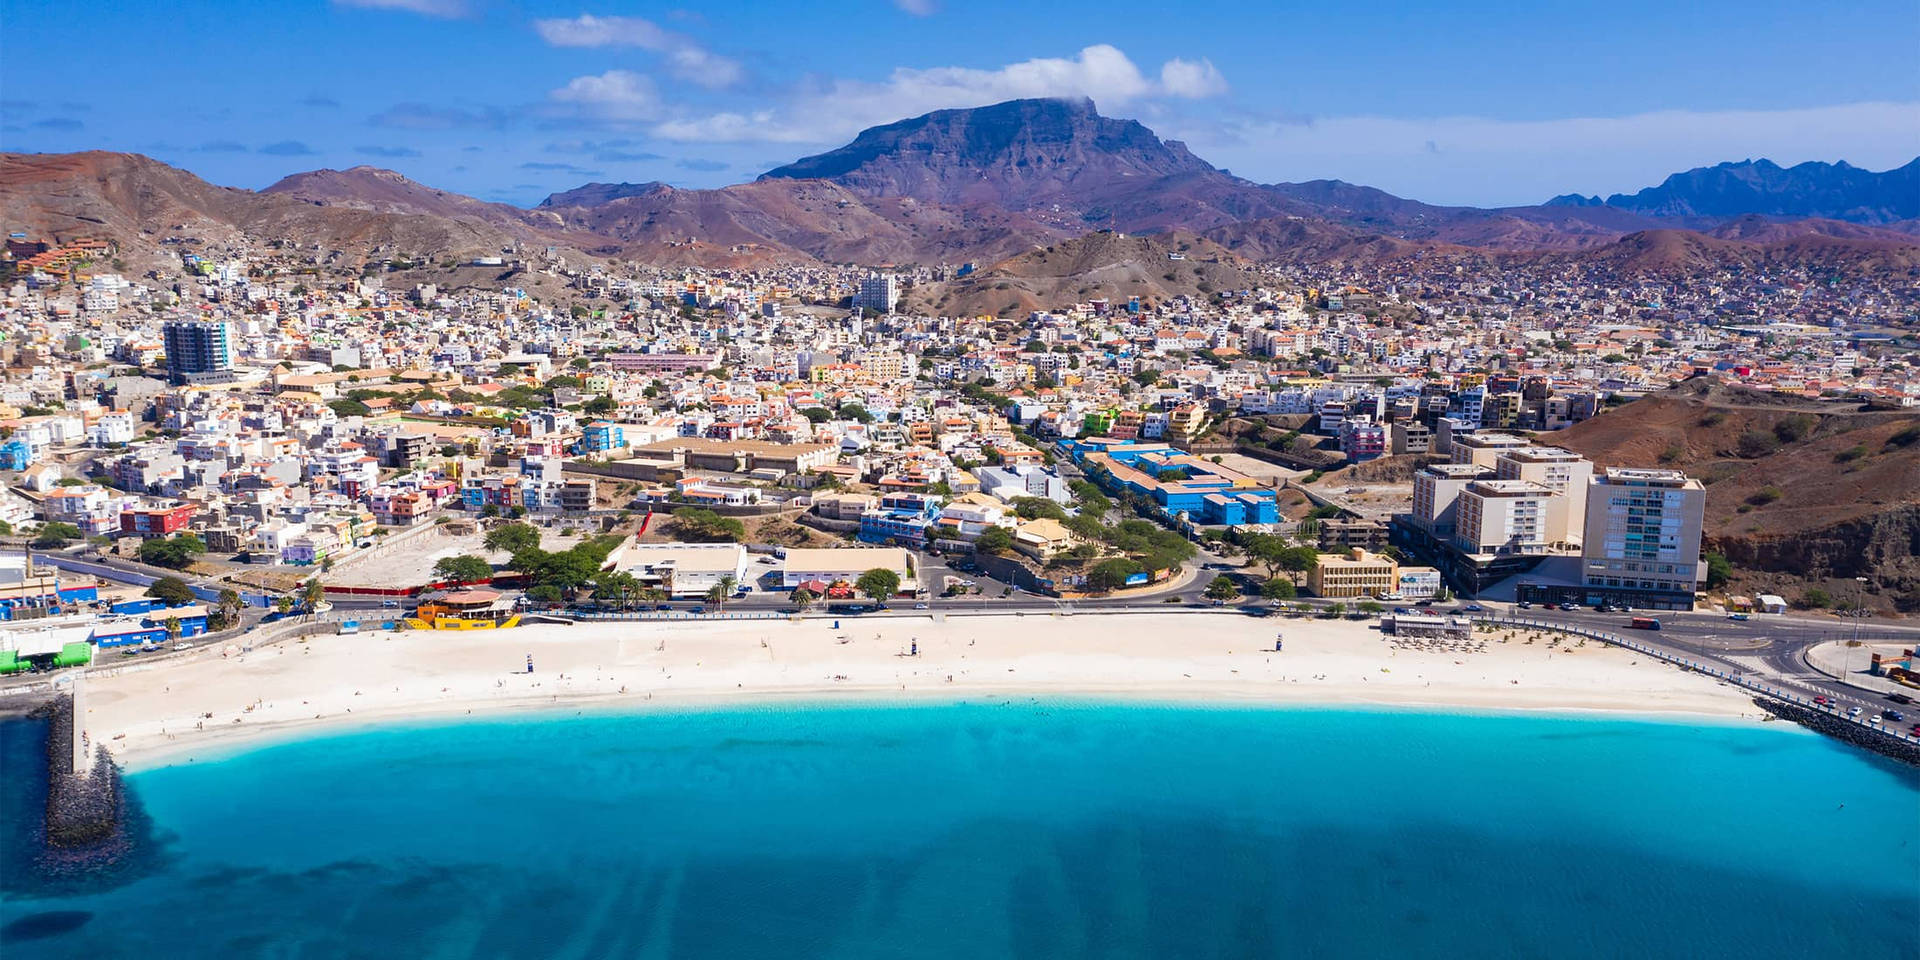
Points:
(160, 715)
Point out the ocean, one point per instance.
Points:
(995, 829)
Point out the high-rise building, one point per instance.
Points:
(1643, 533)
(197, 347)
(1565, 472)
(1502, 518)
(879, 292)
(1436, 494)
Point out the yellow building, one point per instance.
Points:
(1357, 574)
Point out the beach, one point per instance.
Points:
(219, 700)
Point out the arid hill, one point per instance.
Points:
(1798, 492)
(1104, 265)
(139, 201)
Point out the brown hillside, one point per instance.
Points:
(1098, 265)
(1794, 488)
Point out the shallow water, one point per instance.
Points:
(1007, 830)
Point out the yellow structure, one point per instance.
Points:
(466, 610)
(1358, 574)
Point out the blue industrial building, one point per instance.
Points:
(902, 518)
(150, 627)
(1175, 480)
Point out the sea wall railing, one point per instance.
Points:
(1718, 671)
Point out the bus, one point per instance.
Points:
(1645, 623)
(851, 609)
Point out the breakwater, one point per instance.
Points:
(86, 802)
(1844, 730)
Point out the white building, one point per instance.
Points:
(686, 570)
(878, 292)
(1564, 472)
(1502, 517)
(1643, 531)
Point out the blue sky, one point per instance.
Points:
(1476, 102)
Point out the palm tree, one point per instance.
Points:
(228, 605)
(173, 629)
(311, 596)
(802, 598)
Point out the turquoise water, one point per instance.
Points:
(1008, 830)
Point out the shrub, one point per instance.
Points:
(1794, 428)
(1756, 443)
(1905, 438)
(1815, 598)
(1851, 454)
(1764, 496)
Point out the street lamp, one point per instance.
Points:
(1859, 613)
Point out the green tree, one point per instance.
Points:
(171, 591)
(53, 536)
(701, 525)
(174, 553)
(1222, 588)
(1110, 575)
(1278, 589)
(512, 537)
(173, 628)
(465, 568)
(802, 598)
(994, 540)
(226, 609)
(1033, 508)
(1719, 570)
(312, 595)
(879, 584)
(348, 407)
(1369, 607)
(616, 587)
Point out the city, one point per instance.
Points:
(987, 517)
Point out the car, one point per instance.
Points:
(663, 606)
(1889, 713)
(1401, 610)
(1899, 698)
(1549, 605)
(1854, 712)
(1823, 701)
(920, 606)
(1525, 605)
(1473, 608)
(1916, 729)
(183, 645)
(1429, 612)
(1736, 616)
(389, 602)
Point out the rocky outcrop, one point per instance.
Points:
(1883, 547)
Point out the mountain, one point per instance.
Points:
(594, 194)
(990, 184)
(1835, 191)
(1019, 154)
(137, 201)
(1097, 265)
(797, 221)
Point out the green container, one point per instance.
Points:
(74, 655)
(10, 662)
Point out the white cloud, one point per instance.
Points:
(683, 56)
(844, 107)
(1487, 162)
(431, 8)
(617, 95)
(1195, 81)
(919, 8)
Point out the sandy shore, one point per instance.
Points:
(207, 703)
